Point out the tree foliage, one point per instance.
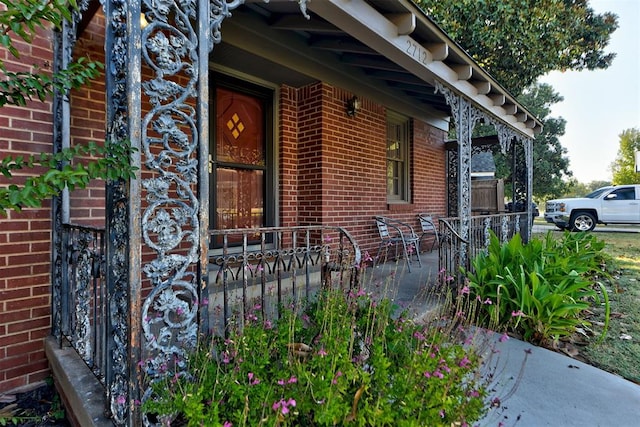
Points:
(518, 41)
(55, 179)
(574, 188)
(21, 20)
(623, 167)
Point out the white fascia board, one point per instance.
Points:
(252, 35)
(358, 19)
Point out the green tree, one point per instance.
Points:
(21, 20)
(518, 41)
(550, 163)
(623, 167)
(574, 188)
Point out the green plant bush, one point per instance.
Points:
(540, 290)
(21, 20)
(335, 360)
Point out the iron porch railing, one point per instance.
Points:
(274, 265)
(267, 266)
(456, 252)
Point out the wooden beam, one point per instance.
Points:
(298, 22)
(406, 22)
(482, 87)
(521, 117)
(510, 108)
(439, 51)
(372, 62)
(464, 71)
(498, 99)
(341, 45)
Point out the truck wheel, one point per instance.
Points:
(582, 221)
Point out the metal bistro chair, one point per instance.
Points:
(396, 233)
(429, 229)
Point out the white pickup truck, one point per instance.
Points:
(607, 205)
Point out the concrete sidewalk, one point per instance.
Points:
(533, 386)
(539, 387)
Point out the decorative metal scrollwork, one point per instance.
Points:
(269, 261)
(170, 223)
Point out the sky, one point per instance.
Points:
(599, 105)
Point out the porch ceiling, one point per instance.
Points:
(385, 49)
(395, 44)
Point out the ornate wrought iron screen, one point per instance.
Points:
(156, 309)
(82, 296)
(465, 116)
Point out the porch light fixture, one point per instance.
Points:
(353, 106)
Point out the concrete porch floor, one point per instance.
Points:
(409, 289)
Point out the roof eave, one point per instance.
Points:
(441, 60)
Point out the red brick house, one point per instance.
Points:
(263, 117)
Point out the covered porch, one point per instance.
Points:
(132, 296)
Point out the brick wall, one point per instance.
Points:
(88, 117)
(25, 238)
(341, 166)
(288, 157)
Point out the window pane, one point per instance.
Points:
(397, 156)
(239, 128)
(239, 198)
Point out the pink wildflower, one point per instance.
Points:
(252, 379)
(504, 337)
(464, 362)
(518, 313)
(465, 290)
(283, 405)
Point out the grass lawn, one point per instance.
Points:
(619, 351)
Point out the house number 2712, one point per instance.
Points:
(417, 52)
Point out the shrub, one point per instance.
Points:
(542, 289)
(335, 360)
